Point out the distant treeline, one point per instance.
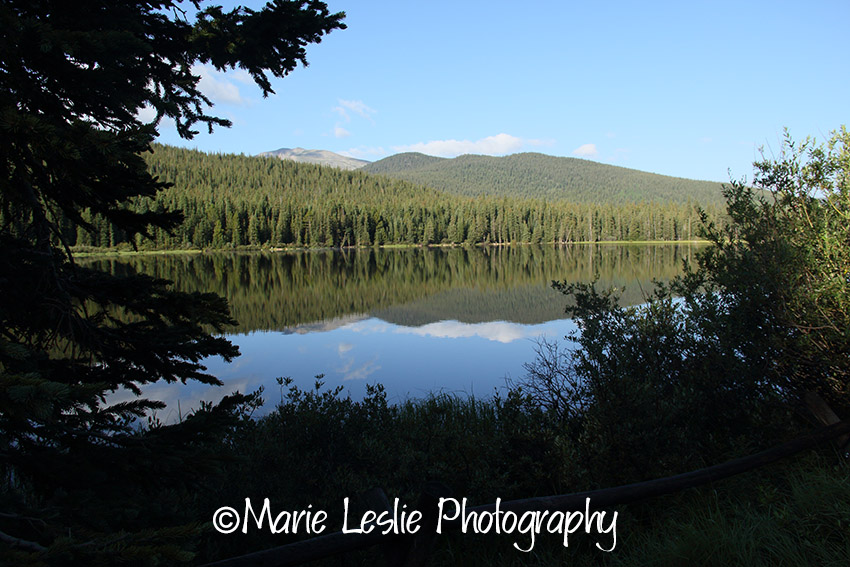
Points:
(234, 200)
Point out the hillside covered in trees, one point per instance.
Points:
(545, 177)
(234, 200)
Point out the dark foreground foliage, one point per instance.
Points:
(317, 448)
(79, 483)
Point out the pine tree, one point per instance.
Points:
(78, 476)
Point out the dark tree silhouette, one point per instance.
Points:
(79, 479)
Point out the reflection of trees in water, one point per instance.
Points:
(274, 291)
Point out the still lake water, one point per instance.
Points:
(416, 320)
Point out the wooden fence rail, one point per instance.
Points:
(413, 550)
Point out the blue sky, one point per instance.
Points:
(690, 89)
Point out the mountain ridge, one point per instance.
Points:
(545, 177)
(319, 157)
(522, 175)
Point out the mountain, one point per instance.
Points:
(320, 157)
(544, 177)
(235, 200)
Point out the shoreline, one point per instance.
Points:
(86, 252)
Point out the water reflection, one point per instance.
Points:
(450, 356)
(416, 320)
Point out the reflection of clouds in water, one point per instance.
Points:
(349, 362)
(410, 359)
(364, 371)
(499, 331)
(218, 367)
(370, 326)
(360, 373)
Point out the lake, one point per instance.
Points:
(417, 320)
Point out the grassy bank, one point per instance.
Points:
(317, 448)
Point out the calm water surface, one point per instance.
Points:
(416, 320)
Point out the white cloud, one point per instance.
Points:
(344, 109)
(242, 76)
(357, 106)
(586, 150)
(499, 144)
(217, 86)
(343, 348)
(147, 115)
(364, 152)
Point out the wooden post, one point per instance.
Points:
(826, 416)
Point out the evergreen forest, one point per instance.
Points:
(235, 200)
